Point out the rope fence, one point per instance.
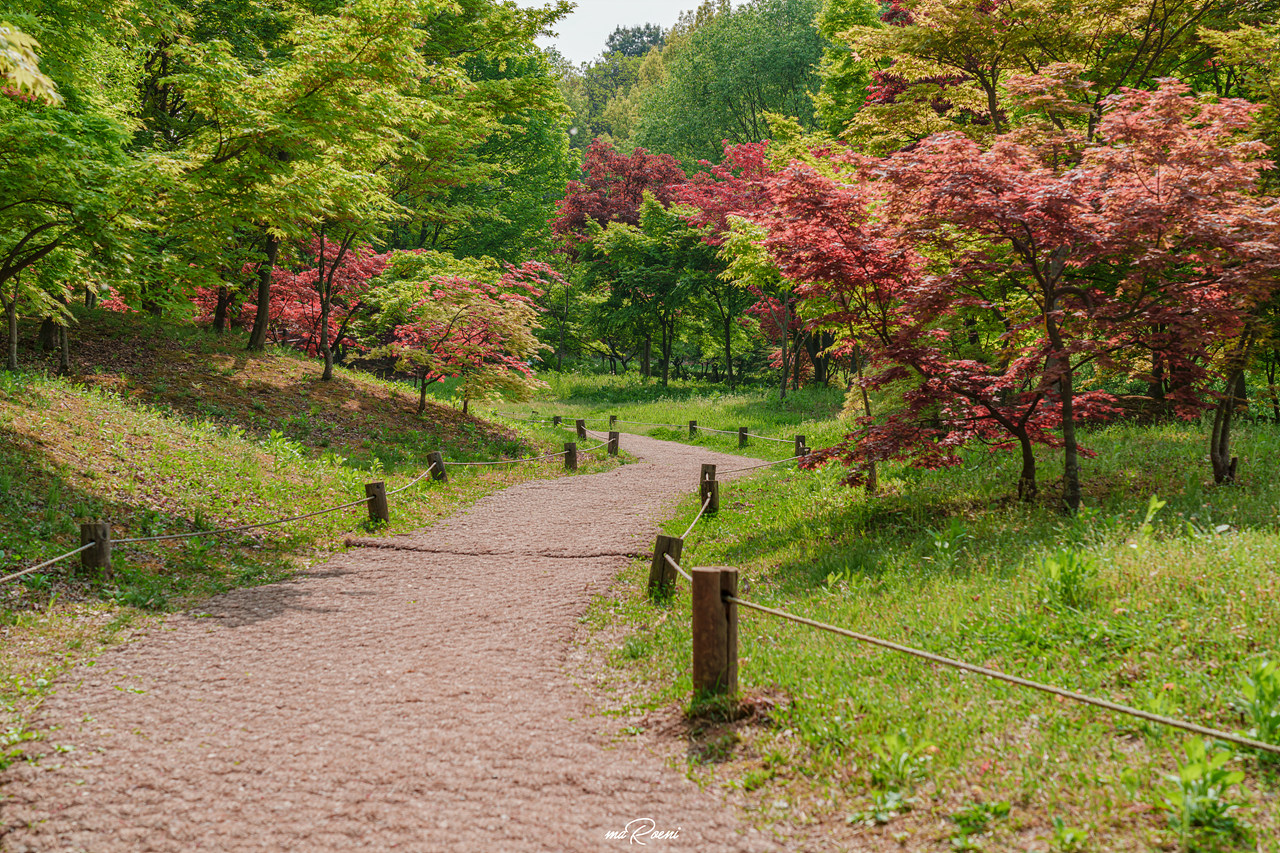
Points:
(97, 541)
(715, 625)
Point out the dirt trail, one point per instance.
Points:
(412, 697)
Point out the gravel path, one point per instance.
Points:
(411, 696)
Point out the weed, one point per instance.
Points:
(948, 542)
(1068, 839)
(1066, 579)
(885, 806)
(636, 647)
(1259, 701)
(974, 818)
(1198, 797)
(900, 762)
(37, 582)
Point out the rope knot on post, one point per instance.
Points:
(581, 426)
(379, 512)
(97, 534)
(613, 442)
(709, 489)
(571, 456)
(436, 458)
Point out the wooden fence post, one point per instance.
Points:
(99, 556)
(709, 488)
(376, 493)
(662, 575)
(800, 448)
(613, 443)
(436, 459)
(693, 428)
(582, 429)
(742, 436)
(613, 421)
(715, 631)
(555, 420)
(570, 456)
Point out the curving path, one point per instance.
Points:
(411, 696)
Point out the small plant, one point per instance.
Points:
(975, 818)
(37, 582)
(948, 542)
(900, 762)
(1259, 701)
(1068, 839)
(1066, 579)
(885, 806)
(1146, 531)
(1198, 798)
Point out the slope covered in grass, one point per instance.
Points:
(1170, 607)
(164, 429)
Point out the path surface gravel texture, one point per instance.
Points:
(411, 696)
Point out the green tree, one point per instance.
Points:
(726, 76)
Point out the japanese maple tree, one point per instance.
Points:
(612, 188)
(477, 331)
(990, 281)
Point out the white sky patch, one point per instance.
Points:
(582, 33)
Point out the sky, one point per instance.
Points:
(583, 31)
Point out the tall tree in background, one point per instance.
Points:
(725, 77)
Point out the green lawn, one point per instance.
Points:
(1165, 607)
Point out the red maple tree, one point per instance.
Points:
(613, 187)
(989, 282)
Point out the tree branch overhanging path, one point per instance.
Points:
(410, 696)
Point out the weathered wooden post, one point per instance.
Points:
(571, 456)
(376, 493)
(801, 450)
(613, 443)
(708, 488)
(556, 420)
(436, 459)
(99, 556)
(715, 631)
(742, 436)
(693, 428)
(613, 421)
(582, 429)
(662, 575)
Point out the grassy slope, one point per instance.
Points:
(1168, 618)
(167, 429)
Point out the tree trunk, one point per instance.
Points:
(728, 351)
(422, 391)
(11, 316)
(64, 350)
(1070, 447)
(645, 367)
(262, 317)
(873, 481)
(1224, 464)
(221, 310)
(666, 354)
(325, 349)
(48, 338)
(786, 343)
(1027, 490)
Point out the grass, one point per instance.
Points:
(1166, 606)
(812, 412)
(163, 428)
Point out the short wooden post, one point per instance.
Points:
(376, 492)
(556, 420)
(801, 450)
(709, 488)
(715, 631)
(436, 459)
(662, 575)
(571, 456)
(742, 436)
(613, 443)
(99, 556)
(693, 428)
(582, 428)
(613, 421)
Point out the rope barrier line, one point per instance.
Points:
(412, 482)
(239, 529)
(765, 437)
(46, 563)
(678, 568)
(696, 519)
(762, 465)
(1013, 679)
